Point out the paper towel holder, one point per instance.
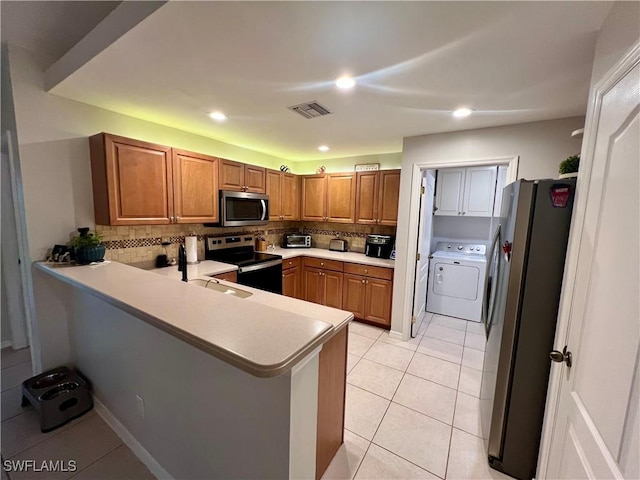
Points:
(195, 237)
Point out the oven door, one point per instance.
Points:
(241, 208)
(265, 276)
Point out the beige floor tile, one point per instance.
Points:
(475, 327)
(425, 323)
(468, 459)
(389, 355)
(375, 378)
(364, 411)
(348, 458)
(435, 369)
(84, 442)
(365, 330)
(23, 431)
(358, 345)
(11, 403)
(121, 464)
(474, 340)
(14, 375)
(467, 416)
(411, 344)
(446, 334)
(439, 349)
(470, 381)
(472, 358)
(415, 437)
(427, 397)
(9, 357)
(380, 464)
(352, 361)
(451, 322)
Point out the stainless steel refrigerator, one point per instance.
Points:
(522, 294)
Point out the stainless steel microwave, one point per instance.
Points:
(242, 208)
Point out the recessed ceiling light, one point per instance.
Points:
(345, 82)
(218, 116)
(323, 148)
(462, 112)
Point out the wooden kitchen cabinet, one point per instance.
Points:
(283, 192)
(377, 197)
(322, 281)
(229, 276)
(132, 181)
(466, 191)
(367, 293)
(242, 177)
(329, 198)
(195, 187)
(291, 278)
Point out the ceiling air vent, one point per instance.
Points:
(310, 109)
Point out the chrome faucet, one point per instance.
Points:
(182, 262)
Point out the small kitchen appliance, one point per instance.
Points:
(296, 240)
(338, 245)
(378, 246)
(255, 269)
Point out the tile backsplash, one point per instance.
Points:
(143, 243)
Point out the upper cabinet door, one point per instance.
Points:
(479, 191)
(231, 175)
(341, 197)
(132, 181)
(449, 188)
(255, 179)
(195, 186)
(367, 187)
(290, 196)
(274, 190)
(500, 184)
(314, 195)
(388, 197)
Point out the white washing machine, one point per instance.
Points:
(456, 280)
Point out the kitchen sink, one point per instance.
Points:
(214, 285)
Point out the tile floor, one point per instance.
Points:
(411, 413)
(412, 407)
(98, 451)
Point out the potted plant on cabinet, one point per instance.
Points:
(569, 167)
(87, 247)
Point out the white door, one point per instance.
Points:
(449, 191)
(479, 191)
(595, 431)
(424, 247)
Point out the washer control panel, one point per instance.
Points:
(464, 248)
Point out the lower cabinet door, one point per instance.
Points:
(353, 295)
(291, 282)
(333, 288)
(378, 301)
(313, 285)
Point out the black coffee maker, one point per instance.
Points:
(379, 246)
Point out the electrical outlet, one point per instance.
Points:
(140, 406)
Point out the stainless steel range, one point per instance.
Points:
(255, 269)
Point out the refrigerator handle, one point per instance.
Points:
(490, 289)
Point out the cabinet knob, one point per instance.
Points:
(283, 275)
(363, 280)
(464, 213)
(290, 263)
(177, 219)
(366, 271)
(322, 264)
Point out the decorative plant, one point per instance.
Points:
(87, 247)
(86, 239)
(570, 165)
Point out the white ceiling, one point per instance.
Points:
(415, 62)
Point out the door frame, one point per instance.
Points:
(609, 80)
(414, 211)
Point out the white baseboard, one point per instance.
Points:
(136, 447)
(5, 344)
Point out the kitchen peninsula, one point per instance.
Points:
(202, 381)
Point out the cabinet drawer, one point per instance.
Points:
(322, 263)
(290, 263)
(369, 271)
(229, 276)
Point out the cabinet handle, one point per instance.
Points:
(283, 275)
(363, 280)
(366, 271)
(172, 219)
(177, 219)
(464, 213)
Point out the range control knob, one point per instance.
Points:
(477, 249)
(460, 247)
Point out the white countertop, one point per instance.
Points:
(265, 334)
(352, 257)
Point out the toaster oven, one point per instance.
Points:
(296, 240)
